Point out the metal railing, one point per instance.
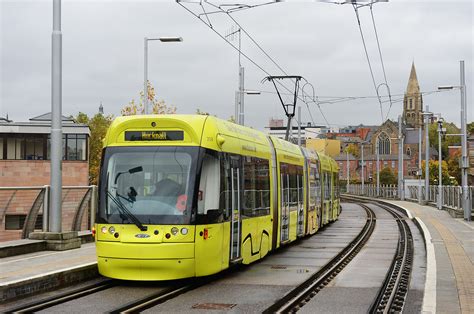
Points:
(30, 205)
(451, 195)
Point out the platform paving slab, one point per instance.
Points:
(453, 241)
(32, 273)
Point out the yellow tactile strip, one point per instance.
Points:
(462, 266)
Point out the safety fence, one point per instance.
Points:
(25, 209)
(451, 196)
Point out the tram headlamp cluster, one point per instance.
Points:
(184, 231)
(174, 231)
(103, 229)
(112, 230)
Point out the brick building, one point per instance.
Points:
(25, 162)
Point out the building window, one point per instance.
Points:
(34, 148)
(384, 144)
(1, 147)
(411, 104)
(74, 147)
(408, 151)
(16, 222)
(393, 164)
(15, 148)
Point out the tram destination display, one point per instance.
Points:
(154, 135)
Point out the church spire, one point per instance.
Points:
(413, 87)
(413, 101)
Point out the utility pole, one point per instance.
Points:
(378, 167)
(465, 159)
(362, 169)
(420, 171)
(347, 170)
(427, 116)
(55, 217)
(299, 126)
(440, 161)
(400, 160)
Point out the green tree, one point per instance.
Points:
(434, 172)
(98, 124)
(157, 106)
(387, 176)
(353, 149)
(470, 128)
(446, 141)
(453, 167)
(204, 113)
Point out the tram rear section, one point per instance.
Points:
(185, 196)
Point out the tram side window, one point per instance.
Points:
(208, 198)
(256, 187)
(225, 195)
(312, 188)
(284, 172)
(327, 186)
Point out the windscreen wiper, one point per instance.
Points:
(124, 211)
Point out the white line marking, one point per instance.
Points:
(46, 274)
(429, 295)
(38, 256)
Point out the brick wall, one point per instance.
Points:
(37, 172)
(17, 173)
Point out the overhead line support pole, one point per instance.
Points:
(55, 214)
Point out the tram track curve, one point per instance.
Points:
(391, 297)
(299, 296)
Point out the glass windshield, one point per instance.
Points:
(147, 185)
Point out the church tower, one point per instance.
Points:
(413, 102)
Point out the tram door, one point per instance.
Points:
(300, 207)
(285, 203)
(236, 218)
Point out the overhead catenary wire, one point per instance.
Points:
(356, 10)
(236, 48)
(381, 60)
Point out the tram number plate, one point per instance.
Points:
(154, 135)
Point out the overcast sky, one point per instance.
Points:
(103, 56)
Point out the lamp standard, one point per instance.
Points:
(441, 130)
(362, 176)
(427, 115)
(239, 97)
(464, 159)
(378, 166)
(145, 71)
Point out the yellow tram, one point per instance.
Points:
(189, 195)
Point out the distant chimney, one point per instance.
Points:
(276, 123)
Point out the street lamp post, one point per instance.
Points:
(427, 115)
(239, 110)
(145, 71)
(401, 190)
(464, 158)
(440, 160)
(378, 167)
(362, 169)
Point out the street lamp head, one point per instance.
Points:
(445, 87)
(252, 92)
(170, 39)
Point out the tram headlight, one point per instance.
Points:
(174, 231)
(112, 230)
(103, 229)
(184, 231)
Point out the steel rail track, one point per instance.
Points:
(158, 298)
(391, 297)
(63, 297)
(299, 296)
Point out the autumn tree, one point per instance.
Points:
(434, 172)
(453, 166)
(157, 106)
(387, 176)
(98, 125)
(353, 149)
(451, 128)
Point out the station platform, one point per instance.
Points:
(30, 273)
(450, 272)
(449, 286)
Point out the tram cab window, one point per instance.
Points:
(153, 185)
(208, 195)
